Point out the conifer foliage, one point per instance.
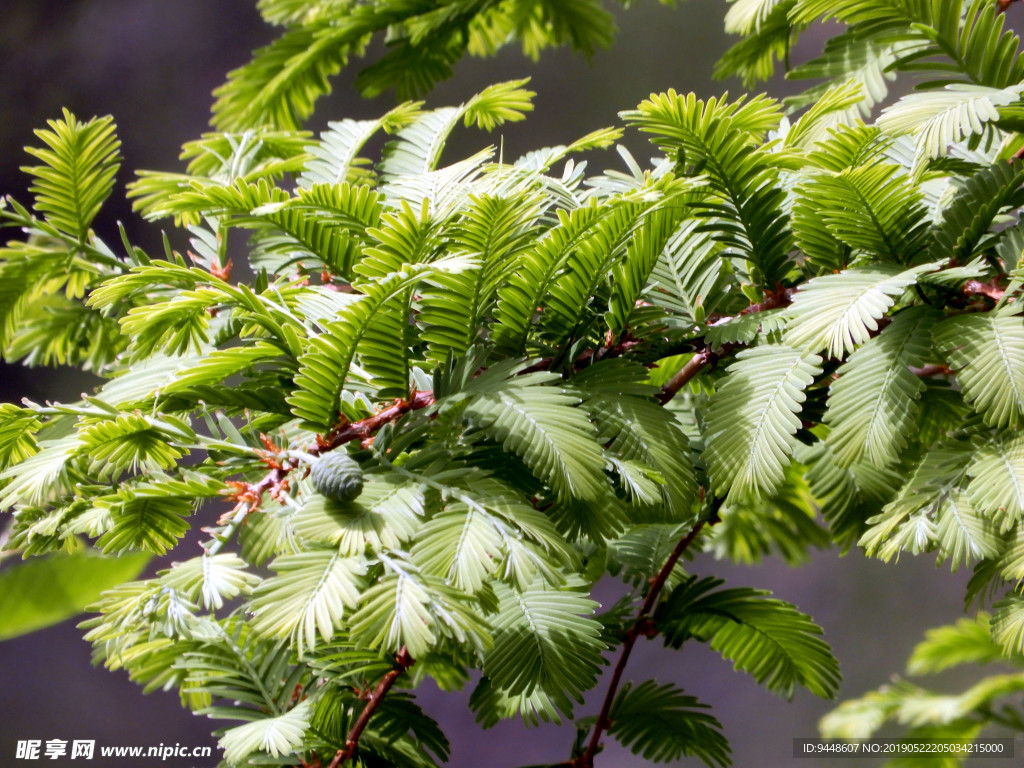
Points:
(442, 397)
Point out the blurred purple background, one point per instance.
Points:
(152, 65)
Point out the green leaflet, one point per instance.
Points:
(334, 158)
(969, 641)
(969, 216)
(323, 368)
(542, 422)
(987, 56)
(783, 524)
(17, 434)
(872, 405)
(485, 532)
(308, 597)
(46, 471)
(545, 644)
(848, 496)
(386, 515)
(752, 422)
(860, 718)
(941, 118)
(661, 723)
(642, 549)
(81, 161)
(129, 442)
(873, 209)
(210, 579)
(850, 60)
(151, 524)
(1010, 566)
(1008, 624)
(536, 271)
(418, 146)
(567, 302)
(409, 608)
(220, 364)
(721, 137)
(929, 715)
(633, 428)
(276, 735)
(767, 638)
(456, 305)
(644, 252)
(987, 353)
(838, 313)
(767, 37)
(931, 512)
(997, 481)
(689, 275)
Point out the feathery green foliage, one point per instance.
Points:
(800, 326)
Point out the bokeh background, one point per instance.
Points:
(152, 64)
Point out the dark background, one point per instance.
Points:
(152, 64)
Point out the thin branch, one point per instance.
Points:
(1002, 5)
(978, 288)
(693, 366)
(276, 480)
(781, 298)
(641, 627)
(366, 428)
(932, 369)
(402, 662)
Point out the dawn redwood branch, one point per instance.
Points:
(276, 479)
(402, 662)
(693, 366)
(641, 627)
(780, 298)
(978, 288)
(932, 369)
(364, 428)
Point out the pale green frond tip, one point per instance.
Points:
(80, 160)
(276, 736)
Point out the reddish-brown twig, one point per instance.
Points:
(978, 288)
(641, 627)
(364, 428)
(276, 479)
(932, 369)
(692, 368)
(402, 662)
